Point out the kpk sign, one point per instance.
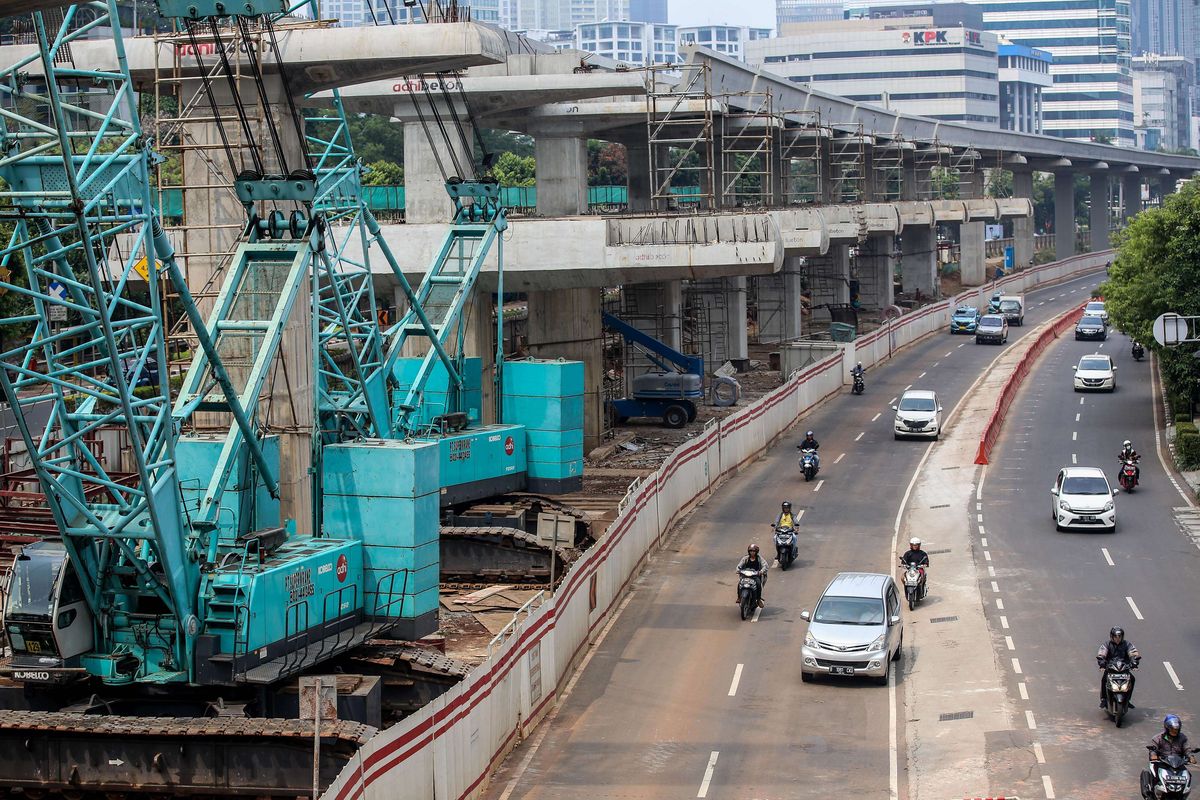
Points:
(942, 38)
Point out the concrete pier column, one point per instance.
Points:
(1166, 186)
(1024, 229)
(737, 336)
(918, 261)
(565, 323)
(972, 253)
(561, 175)
(1131, 195)
(876, 271)
(425, 198)
(639, 186)
(779, 305)
(656, 309)
(1064, 214)
(1098, 214)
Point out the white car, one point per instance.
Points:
(1095, 373)
(1082, 498)
(919, 413)
(1096, 309)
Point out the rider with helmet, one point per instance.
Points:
(915, 555)
(810, 443)
(1129, 454)
(1171, 742)
(788, 520)
(752, 560)
(1117, 646)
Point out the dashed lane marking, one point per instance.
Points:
(922, 375)
(1024, 691)
(949, 353)
(1038, 754)
(1029, 720)
(1048, 787)
(839, 458)
(1004, 622)
(1107, 557)
(820, 483)
(737, 678)
(1133, 606)
(1174, 677)
(995, 587)
(1008, 642)
(1017, 667)
(1074, 458)
(757, 614)
(856, 438)
(999, 601)
(708, 774)
(877, 416)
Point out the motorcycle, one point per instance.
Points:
(913, 591)
(785, 546)
(748, 591)
(1118, 681)
(1138, 351)
(1128, 477)
(1167, 778)
(860, 385)
(809, 463)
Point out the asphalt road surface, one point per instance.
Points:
(682, 699)
(1062, 592)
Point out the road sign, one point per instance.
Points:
(1172, 330)
(57, 290)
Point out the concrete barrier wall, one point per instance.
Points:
(447, 749)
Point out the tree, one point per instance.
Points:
(608, 164)
(511, 169)
(1157, 270)
(384, 173)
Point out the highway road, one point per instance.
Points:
(681, 698)
(1061, 592)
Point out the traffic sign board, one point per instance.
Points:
(57, 290)
(1172, 330)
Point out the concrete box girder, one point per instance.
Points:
(1014, 207)
(915, 214)
(982, 208)
(949, 210)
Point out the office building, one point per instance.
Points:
(551, 15)
(634, 43)
(792, 12)
(351, 13)
(728, 39)
(648, 11)
(1162, 101)
(1092, 95)
(1165, 27)
(905, 64)
(1024, 74)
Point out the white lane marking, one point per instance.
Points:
(1074, 458)
(979, 517)
(1077, 416)
(856, 438)
(892, 402)
(1174, 677)
(757, 614)
(1004, 622)
(979, 487)
(800, 513)
(1038, 754)
(979, 506)
(1155, 405)
(1008, 642)
(987, 555)
(1101, 344)
(983, 541)
(737, 678)
(1081, 400)
(877, 416)
(1024, 692)
(999, 602)
(991, 571)
(963, 344)
(708, 773)
(1107, 557)
(922, 375)
(906, 388)
(1017, 666)
(1074, 436)
(1048, 787)
(1133, 605)
(995, 587)
(820, 483)
(936, 363)
(1029, 720)
(839, 458)
(949, 353)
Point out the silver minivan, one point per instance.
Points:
(855, 629)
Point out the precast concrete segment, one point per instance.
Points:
(653, 704)
(1063, 591)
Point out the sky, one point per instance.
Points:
(755, 13)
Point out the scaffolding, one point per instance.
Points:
(930, 162)
(748, 174)
(801, 157)
(706, 319)
(847, 164)
(887, 169)
(680, 126)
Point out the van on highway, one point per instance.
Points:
(855, 628)
(1012, 306)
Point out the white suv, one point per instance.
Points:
(1082, 498)
(919, 413)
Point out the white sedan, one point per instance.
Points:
(1096, 309)
(1095, 373)
(1082, 498)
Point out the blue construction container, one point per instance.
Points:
(196, 459)
(547, 398)
(384, 493)
(482, 462)
(436, 398)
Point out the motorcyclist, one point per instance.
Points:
(1171, 742)
(1129, 454)
(915, 555)
(752, 560)
(1117, 646)
(787, 520)
(810, 443)
(857, 370)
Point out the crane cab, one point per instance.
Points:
(48, 623)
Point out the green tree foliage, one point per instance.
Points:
(377, 138)
(607, 164)
(511, 169)
(1157, 270)
(384, 173)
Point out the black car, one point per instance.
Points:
(1091, 328)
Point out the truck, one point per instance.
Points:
(1012, 306)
